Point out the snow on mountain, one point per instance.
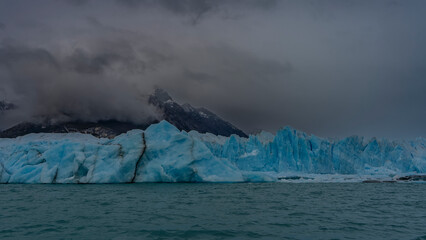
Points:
(162, 153)
(184, 117)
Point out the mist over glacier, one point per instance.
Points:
(162, 153)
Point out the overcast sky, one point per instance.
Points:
(330, 68)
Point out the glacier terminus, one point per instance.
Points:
(162, 153)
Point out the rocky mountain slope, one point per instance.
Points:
(5, 106)
(184, 117)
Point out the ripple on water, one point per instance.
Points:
(214, 211)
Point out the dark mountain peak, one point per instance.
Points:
(5, 106)
(104, 129)
(186, 117)
(161, 95)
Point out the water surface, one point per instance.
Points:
(214, 211)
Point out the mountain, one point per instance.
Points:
(184, 117)
(5, 106)
(104, 129)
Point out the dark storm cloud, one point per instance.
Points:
(12, 56)
(197, 6)
(192, 8)
(332, 68)
(2, 26)
(77, 2)
(74, 87)
(96, 63)
(195, 10)
(181, 7)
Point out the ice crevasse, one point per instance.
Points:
(162, 153)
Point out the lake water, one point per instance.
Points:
(214, 211)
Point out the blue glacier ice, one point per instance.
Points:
(162, 153)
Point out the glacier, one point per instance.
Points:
(162, 153)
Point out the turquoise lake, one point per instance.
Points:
(214, 211)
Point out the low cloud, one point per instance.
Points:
(81, 86)
(331, 68)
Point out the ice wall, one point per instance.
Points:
(294, 151)
(162, 153)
